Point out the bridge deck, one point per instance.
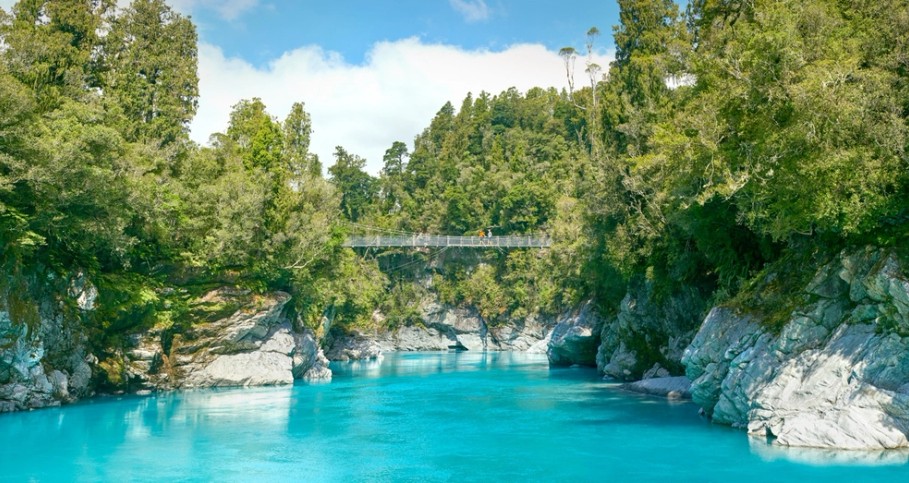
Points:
(448, 241)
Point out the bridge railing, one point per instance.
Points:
(510, 241)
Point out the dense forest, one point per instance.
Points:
(723, 140)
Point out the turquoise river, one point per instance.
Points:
(413, 417)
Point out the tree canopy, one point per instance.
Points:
(721, 139)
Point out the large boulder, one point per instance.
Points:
(575, 338)
(835, 376)
(256, 345)
(353, 346)
(529, 334)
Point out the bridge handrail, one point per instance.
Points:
(507, 241)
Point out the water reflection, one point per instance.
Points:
(428, 363)
(423, 417)
(826, 457)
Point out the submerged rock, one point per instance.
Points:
(670, 387)
(837, 374)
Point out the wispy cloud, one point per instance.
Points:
(366, 107)
(471, 10)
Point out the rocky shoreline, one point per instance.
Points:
(253, 346)
(835, 375)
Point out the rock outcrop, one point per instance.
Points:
(835, 376)
(678, 387)
(256, 345)
(354, 347)
(645, 332)
(44, 360)
(575, 338)
(443, 327)
(45, 363)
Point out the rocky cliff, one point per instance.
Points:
(835, 376)
(575, 337)
(47, 362)
(648, 334)
(256, 345)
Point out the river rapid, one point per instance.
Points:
(464, 416)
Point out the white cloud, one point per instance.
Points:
(391, 97)
(471, 10)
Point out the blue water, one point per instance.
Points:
(414, 417)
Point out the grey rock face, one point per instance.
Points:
(669, 387)
(45, 364)
(255, 346)
(443, 328)
(836, 376)
(575, 338)
(354, 347)
(309, 363)
(531, 334)
(643, 324)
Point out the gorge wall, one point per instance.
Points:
(836, 375)
(254, 343)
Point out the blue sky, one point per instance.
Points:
(372, 72)
(263, 30)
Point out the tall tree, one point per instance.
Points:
(152, 55)
(258, 136)
(52, 46)
(297, 131)
(359, 189)
(392, 182)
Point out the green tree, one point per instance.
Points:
(53, 46)
(258, 136)
(151, 55)
(359, 189)
(297, 131)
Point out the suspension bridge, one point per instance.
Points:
(418, 241)
(385, 237)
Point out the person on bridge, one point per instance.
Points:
(489, 232)
(481, 234)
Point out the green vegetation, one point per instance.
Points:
(98, 177)
(735, 137)
(723, 140)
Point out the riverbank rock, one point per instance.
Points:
(835, 376)
(648, 330)
(575, 338)
(43, 362)
(670, 387)
(443, 327)
(256, 345)
(354, 346)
